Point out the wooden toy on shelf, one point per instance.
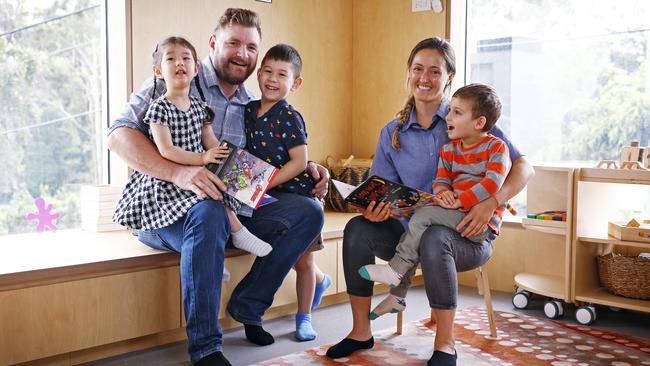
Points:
(607, 164)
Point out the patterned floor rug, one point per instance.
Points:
(523, 340)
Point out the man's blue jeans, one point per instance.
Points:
(200, 237)
(289, 225)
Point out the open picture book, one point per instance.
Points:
(247, 177)
(403, 200)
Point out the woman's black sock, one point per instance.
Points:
(440, 358)
(257, 335)
(348, 346)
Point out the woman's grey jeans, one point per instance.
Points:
(443, 253)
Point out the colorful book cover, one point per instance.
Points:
(403, 200)
(246, 176)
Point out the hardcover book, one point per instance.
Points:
(403, 200)
(246, 176)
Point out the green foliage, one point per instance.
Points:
(49, 73)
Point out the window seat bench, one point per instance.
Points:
(72, 296)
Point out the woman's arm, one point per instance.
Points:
(296, 165)
(520, 173)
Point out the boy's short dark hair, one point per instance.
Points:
(243, 17)
(286, 53)
(485, 102)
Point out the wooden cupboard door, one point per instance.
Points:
(48, 320)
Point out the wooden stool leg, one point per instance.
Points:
(488, 300)
(400, 319)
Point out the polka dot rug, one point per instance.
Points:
(522, 340)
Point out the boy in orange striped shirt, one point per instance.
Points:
(472, 168)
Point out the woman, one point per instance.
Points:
(407, 152)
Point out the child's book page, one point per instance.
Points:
(247, 177)
(403, 200)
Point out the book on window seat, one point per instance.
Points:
(247, 177)
(403, 200)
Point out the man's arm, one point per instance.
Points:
(520, 173)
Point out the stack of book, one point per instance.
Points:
(97, 206)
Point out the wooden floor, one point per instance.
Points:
(241, 352)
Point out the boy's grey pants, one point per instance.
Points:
(407, 253)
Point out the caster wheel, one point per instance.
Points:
(521, 299)
(586, 315)
(553, 309)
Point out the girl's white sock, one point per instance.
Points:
(391, 304)
(244, 239)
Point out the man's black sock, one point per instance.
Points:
(257, 335)
(213, 359)
(348, 346)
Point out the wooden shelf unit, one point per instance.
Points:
(548, 243)
(597, 197)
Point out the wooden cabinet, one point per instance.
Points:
(547, 254)
(603, 195)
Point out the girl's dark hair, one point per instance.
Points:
(442, 46)
(157, 59)
(485, 102)
(286, 53)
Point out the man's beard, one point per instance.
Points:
(224, 75)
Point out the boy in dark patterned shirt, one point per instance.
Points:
(276, 132)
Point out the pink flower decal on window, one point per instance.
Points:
(44, 217)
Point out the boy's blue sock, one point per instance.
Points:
(320, 290)
(304, 331)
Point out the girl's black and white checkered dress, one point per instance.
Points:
(150, 203)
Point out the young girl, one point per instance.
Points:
(180, 126)
(275, 132)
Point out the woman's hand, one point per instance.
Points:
(376, 212)
(477, 217)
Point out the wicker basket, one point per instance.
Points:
(625, 276)
(351, 171)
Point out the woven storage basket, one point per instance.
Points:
(351, 171)
(625, 276)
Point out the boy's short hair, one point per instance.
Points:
(485, 102)
(243, 17)
(286, 53)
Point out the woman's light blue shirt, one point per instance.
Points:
(416, 163)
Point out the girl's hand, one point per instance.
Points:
(215, 155)
(448, 198)
(376, 212)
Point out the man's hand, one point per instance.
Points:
(200, 181)
(322, 176)
(477, 217)
(376, 212)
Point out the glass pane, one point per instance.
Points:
(573, 75)
(51, 57)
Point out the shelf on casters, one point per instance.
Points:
(600, 296)
(546, 285)
(626, 176)
(603, 238)
(546, 226)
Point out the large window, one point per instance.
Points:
(51, 129)
(574, 77)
